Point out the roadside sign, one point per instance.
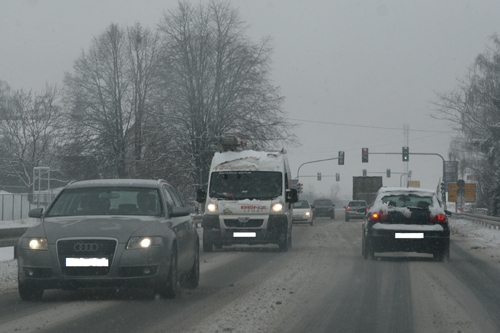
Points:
(414, 183)
(469, 192)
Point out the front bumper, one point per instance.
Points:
(131, 268)
(264, 230)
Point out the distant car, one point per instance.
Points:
(356, 209)
(107, 233)
(406, 220)
(302, 212)
(323, 207)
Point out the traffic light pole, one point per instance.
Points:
(328, 159)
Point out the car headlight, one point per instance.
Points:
(38, 244)
(308, 213)
(277, 207)
(143, 242)
(212, 207)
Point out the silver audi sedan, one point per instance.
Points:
(109, 233)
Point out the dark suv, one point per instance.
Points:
(323, 207)
(356, 209)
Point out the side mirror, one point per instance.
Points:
(292, 195)
(36, 212)
(179, 211)
(201, 195)
(447, 212)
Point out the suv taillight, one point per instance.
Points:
(348, 208)
(439, 218)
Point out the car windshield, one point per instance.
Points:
(301, 204)
(107, 201)
(357, 203)
(237, 185)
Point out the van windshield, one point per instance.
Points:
(238, 185)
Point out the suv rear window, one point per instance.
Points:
(323, 202)
(357, 204)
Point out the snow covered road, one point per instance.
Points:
(323, 284)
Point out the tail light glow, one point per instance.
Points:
(378, 216)
(439, 218)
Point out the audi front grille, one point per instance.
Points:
(86, 249)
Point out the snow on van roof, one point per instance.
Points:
(248, 160)
(399, 190)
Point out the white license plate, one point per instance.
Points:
(87, 262)
(409, 235)
(244, 234)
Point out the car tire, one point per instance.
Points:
(311, 223)
(347, 218)
(30, 292)
(207, 246)
(168, 287)
(442, 255)
(368, 252)
(286, 244)
(192, 279)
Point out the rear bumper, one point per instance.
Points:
(424, 239)
(428, 244)
(323, 212)
(351, 215)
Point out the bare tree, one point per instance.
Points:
(30, 132)
(109, 98)
(216, 80)
(474, 109)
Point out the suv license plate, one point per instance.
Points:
(409, 235)
(244, 234)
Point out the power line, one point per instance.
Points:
(366, 126)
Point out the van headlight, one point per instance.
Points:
(211, 207)
(277, 207)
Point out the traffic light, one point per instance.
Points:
(443, 192)
(319, 175)
(341, 158)
(388, 173)
(364, 155)
(364, 172)
(299, 187)
(406, 154)
(337, 176)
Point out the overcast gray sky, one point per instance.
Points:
(353, 72)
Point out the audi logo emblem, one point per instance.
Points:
(86, 247)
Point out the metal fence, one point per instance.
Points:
(15, 206)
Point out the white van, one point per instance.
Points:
(249, 200)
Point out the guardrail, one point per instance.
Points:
(488, 221)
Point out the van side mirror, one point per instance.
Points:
(292, 195)
(201, 195)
